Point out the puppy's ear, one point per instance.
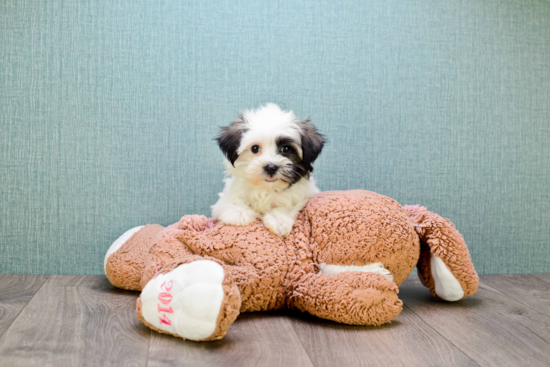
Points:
(230, 138)
(312, 143)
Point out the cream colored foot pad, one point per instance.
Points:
(185, 301)
(447, 286)
(372, 268)
(118, 243)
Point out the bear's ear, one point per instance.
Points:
(312, 143)
(230, 138)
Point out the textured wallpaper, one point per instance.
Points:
(108, 110)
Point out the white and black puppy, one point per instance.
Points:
(269, 163)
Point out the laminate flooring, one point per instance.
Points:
(58, 320)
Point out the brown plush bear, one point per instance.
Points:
(343, 260)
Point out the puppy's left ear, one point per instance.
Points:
(312, 143)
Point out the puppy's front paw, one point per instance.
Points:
(278, 223)
(238, 216)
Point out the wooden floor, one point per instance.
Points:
(83, 320)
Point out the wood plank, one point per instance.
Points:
(527, 289)
(543, 277)
(77, 320)
(406, 341)
(492, 328)
(255, 339)
(15, 292)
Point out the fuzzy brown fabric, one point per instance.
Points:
(361, 227)
(438, 236)
(354, 298)
(124, 268)
(266, 272)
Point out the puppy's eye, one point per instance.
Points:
(255, 149)
(285, 149)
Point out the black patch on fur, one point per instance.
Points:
(292, 172)
(312, 143)
(281, 142)
(230, 138)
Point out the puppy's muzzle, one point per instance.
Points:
(271, 169)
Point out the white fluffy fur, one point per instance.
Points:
(248, 194)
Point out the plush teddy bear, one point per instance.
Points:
(344, 259)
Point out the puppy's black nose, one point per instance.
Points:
(270, 169)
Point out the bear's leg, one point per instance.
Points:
(126, 257)
(355, 298)
(444, 266)
(192, 297)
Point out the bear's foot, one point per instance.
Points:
(118, 244)
(126, 257)
(349, 297)
(445, 266)
(446, 286)
(194, 301)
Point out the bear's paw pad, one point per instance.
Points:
(185, 301)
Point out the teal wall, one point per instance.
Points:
(108, 110)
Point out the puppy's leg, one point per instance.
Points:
(230, 209)
(279, 222)
(237, 215)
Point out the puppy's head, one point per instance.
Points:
(271, 147)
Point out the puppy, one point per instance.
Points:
(269, 163)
